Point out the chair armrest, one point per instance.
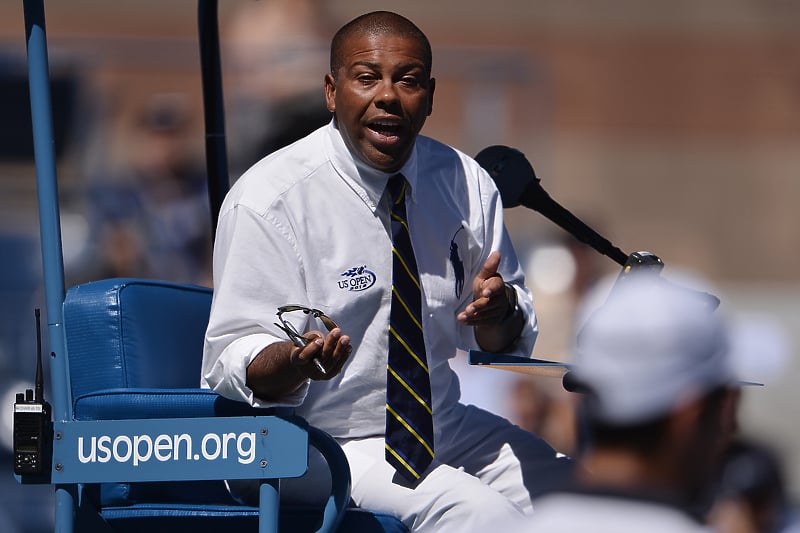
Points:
(144, 407)
(128, 403)
(339, 499)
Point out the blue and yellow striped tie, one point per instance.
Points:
(409, 421)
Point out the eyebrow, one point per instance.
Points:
(402, 67)
(373, 66)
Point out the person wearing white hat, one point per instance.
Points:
(653, 365)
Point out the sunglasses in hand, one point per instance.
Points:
(295, 335)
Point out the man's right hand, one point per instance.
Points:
(281, 368)
(330, 351)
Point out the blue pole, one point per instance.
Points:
(268, 504)
(49, 229)
(47, 189)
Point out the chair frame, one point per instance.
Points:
(71, 471)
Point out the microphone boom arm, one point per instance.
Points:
(538, 199)
(518, 184)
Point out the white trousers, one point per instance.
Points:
(486, 472)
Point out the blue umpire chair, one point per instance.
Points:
(136, 445)
(133, 349)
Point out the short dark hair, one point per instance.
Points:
(379, 23)
(644, 438)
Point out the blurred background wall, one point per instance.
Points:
(670, 126)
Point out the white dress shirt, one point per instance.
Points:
(308, 225)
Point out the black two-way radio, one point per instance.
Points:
(33, 427)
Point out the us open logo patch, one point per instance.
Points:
(358, 278)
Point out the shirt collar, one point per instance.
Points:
(367, 182)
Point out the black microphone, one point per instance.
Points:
(518, 185)
(573, 384)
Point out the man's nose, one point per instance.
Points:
(387, 94)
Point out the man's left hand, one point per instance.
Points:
(491, 303)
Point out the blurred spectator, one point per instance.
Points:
(751, 496)
(151, 217)
(653, 366)
(273, 48)
(531, 405)
(542, 406)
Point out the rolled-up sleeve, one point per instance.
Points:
(255, 271)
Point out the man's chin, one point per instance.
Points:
(383, 161)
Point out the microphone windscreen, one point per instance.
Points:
(510, 170)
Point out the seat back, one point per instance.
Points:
(138, 334)
(134, 333)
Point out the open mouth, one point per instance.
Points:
(386, 129)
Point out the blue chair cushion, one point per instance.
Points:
(124, 333)
(115, 404)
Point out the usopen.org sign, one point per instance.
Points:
(139, 449)
(179, 449)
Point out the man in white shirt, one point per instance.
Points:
(310, 225)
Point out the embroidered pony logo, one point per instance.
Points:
(458, 264)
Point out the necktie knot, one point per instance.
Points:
(397, 187)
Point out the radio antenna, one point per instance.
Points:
(39, 383)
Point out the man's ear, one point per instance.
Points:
(685, 418)
(432, 87)
(330, 92)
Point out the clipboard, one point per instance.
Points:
(516, 363)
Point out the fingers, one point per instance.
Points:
(490, 303)
(336, 349)
(490, 308)
(323, 357)
(489, 268)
